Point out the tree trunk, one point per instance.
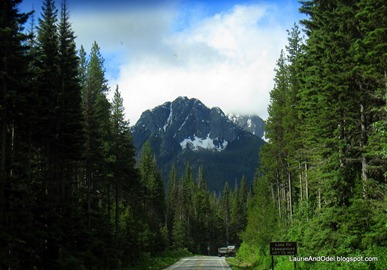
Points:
(300, 170)
(363, 141)
(117, 209)
(284, 200)
(290, 195)
(272, 194)
(278, 196)
(3, 153)
(306, 182)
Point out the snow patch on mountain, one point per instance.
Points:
(251, 123)
(195, 143)
(169, 120)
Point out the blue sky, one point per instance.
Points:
(222, 52)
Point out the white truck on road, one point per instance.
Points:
(226, 251)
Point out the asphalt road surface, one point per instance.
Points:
(201, 263)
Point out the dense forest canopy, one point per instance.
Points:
(72, 195)
(323, 180)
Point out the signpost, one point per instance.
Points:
(282, 249)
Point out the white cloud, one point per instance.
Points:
(127, 30)
(226, 60)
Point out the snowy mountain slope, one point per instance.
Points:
(251, 123)
(185, 130)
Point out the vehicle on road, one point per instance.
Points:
(222, 251)
(226, 251)
(231, 250)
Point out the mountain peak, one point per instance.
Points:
(185, 130)
(251, 123)
(190, 123)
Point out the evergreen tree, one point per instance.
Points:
(202, 211)
(153, 198)
(171, 201)
(242, 202)
(69, 134)
(70, 120)
(122, 159)
(48, 126)
(179, 228)
(369, 73)
(190, 189)
(96, 182)
(96, 113)
(238, 214)
(82, 69)
(47, 66)
(125, 183)
(16, 228)
(326, 134)
(275, 155)
(226, 212)
(262, 219)
(200, 220)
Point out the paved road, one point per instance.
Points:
(200, 263)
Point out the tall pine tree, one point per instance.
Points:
(153, 198)
(16, 229)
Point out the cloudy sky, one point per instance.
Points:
(222, 52)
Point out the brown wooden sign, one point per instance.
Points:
(283, 248)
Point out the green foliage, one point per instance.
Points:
(152, 198)
(202, 221)
(325, 163)
(69, 186)
(15, 132)
(261, 218)
(71, 195)
(248, 256)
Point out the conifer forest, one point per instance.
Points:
(74, 194)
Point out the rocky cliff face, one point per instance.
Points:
(188, 123)
(185, 130)
(251, 123)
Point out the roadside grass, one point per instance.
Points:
(236, 264)
(248, 258)
(161, 261)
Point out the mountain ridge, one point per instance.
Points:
(186, 131)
